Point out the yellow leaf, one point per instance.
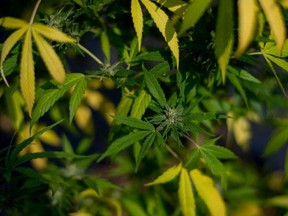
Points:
(208, 193)
(50, 58)
(275, 19)
(52, 33)
(242, 132)
(8, 45)
(167, 176)
(38, 163)
(247, 13)
(186, 197)
(49, 137)
(27, 77)
(165, 27)
(10, 22)
(176, 6)
(248, 209)
(83, 117)
(137, 17)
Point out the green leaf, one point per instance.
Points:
(238, 86)
(208, 193)
(278, 139)
(279, 201)
(149, 56)
(50, 96)
(286, 165)
(224, 35)
(137, 17)
(185, 193)
(105, 45)
(160, 69)
(280, 62)
(194, 159)
(219, 151)
(134, 123)
(144, 148)
(273, 50)
(140, 104)
(133, 207)
(155, 88)
(243, 74)
(193, 13)
(165, 26)
(97, 184)
(167, 176)
(26, 142)
(274, 73)
(123, 142)
(77, 96)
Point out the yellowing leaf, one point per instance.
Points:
(27, 77)
(137, 17)
(275, 19)
(52, 33)
(49, 137)
(167, 176)
(224, 35)
(176, 6)
(248, 209)
(10, 22)
(185, 193)
(247, 13)
(165, 27)
(38, 163)
(8, 45)
(208, 193)
(50, 58)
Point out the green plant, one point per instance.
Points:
(179, 137)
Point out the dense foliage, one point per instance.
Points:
(149, 107)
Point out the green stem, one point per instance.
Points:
(191, 140)
(173, 153)
(34, 11)
(90, 54)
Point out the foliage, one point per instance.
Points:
(175, 95)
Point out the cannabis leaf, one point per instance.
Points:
(208, 192)
(47, 53)
(162, 22)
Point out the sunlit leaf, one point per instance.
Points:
(224, 35)
(50, 58)
(140, 104)
(275, 19)
(176, 6)
(27, 76)
(280, 62)
(185, 193)
(52, 33)
(124, 105)
(273, 50)
(208, 193)
(137, 17)
(165, 27)
(193, 13)
(279, 201)
(247, 13)
(77, 96)
(124, 142)
(13, 23)
(8, 45)
(167, 176)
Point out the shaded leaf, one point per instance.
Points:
(273, 50)
(238, 86)
(243, 74)
(13, 23)
(77, 96)
(27, 76)
(123, 142)
(208, 193)
(137, 17)
(193, 13)
(133, 207)
(105, 45)
(280, 62)
(155, 88)
(165, 27)
(224, 35)
(52, 33)
(134, 123)
(176, 6)
(275, 19)
(140, 104)
(160, 69)
(219, 151)
(279, 201)
(279, 138)
(167, 176)
(50, 58)
(247, 13)
(185, 193)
